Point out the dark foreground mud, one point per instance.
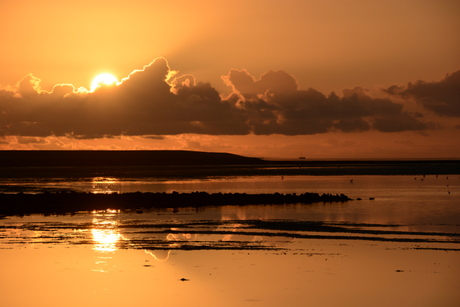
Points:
(61, 203)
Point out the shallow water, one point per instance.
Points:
(402, 248)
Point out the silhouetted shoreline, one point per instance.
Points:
(52, 158)
(196, 164)
(62, 203)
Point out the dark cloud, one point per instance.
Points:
(441, 97)
(144, 103)
(154, 137)
(273, 81)
(397, 123)
(155, 101)
(286, 110)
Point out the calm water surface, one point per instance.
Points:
(400, 249)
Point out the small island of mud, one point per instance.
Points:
(69, 202)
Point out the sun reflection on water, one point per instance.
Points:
(105, 230)
(107, 238)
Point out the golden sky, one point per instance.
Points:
(250, 77)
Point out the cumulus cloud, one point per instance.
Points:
(144, 103)
(155, 101)
(441, 97)
(275, 105)
(273, 81)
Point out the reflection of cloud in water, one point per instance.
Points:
(160, 255)
(180, 236)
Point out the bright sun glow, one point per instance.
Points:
(103, 79)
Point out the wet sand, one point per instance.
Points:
(401, 249)
(165, 257)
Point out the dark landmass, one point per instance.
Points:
(194, 164)
(42, 158)
(62, 203)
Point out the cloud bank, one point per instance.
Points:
(157, 101)
(441, 97)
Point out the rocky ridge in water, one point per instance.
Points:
(68, 202)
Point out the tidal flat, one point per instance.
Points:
(253, 255)
(398, 245)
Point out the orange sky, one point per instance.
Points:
(370, 49)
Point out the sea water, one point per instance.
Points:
(397, 245)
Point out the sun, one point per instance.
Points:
(103, 80)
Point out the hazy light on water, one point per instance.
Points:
(106, 185)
